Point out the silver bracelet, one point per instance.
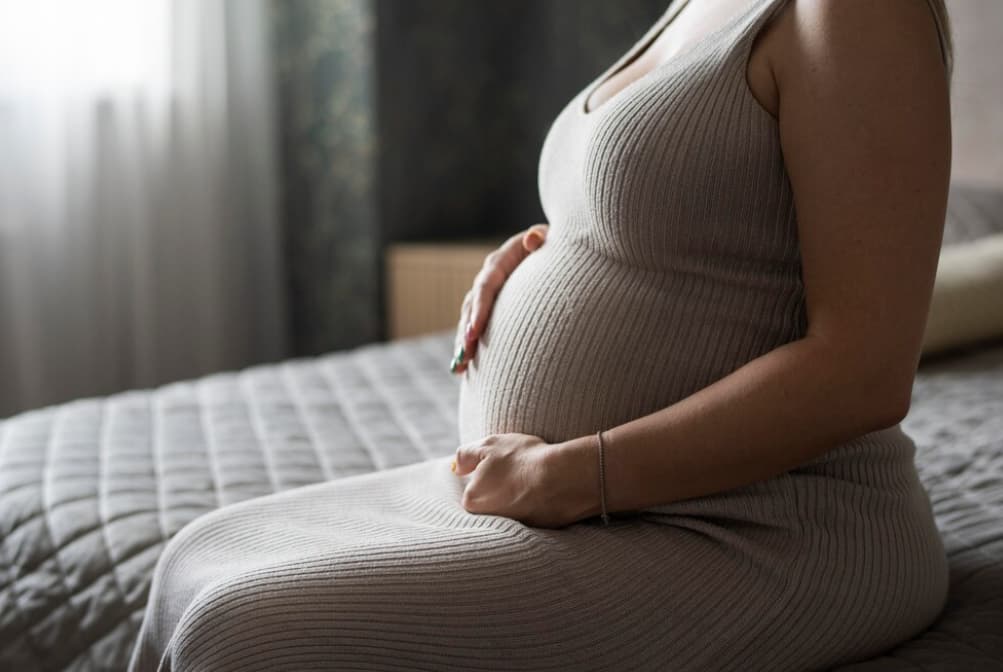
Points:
(602, 479)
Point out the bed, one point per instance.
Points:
(91, 490)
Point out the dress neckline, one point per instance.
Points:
(643, 45)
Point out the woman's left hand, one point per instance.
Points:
(521, 476)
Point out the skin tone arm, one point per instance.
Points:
(864, 120)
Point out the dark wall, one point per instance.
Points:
(418, 120)
(467, 91)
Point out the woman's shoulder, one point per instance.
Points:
(826, 39)
(851, 37)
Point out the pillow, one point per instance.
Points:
(967, 304)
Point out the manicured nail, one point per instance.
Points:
(457, 360)
(452, 466)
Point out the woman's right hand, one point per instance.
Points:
(479, 299)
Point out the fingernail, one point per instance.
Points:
(469, 331)
(452, 466)
(457, 360)
(536, 234)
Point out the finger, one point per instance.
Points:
(457, 363)
(461, 325)
(466, 337)
(498, 265)
(486, 286)
(469, 352)
(468, 456)
(471, 500)
(484, 300)
(535, 237)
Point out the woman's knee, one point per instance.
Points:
(188, 557)
(224, 622)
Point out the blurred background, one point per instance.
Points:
(190, 186)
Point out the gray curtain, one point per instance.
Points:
(138, 205)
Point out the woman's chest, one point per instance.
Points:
(693, 25)
(680, 169)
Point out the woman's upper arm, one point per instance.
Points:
(864, 119)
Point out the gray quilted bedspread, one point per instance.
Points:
(91, 490)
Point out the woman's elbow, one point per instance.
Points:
(888, 401)
(892, 409)
(876, 389)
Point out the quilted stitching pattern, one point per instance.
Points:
(91, 490)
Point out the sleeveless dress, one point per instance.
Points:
(672, 259)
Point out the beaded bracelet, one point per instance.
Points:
(602, 479)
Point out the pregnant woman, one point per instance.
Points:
(680, 401)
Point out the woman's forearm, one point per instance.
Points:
(772, 414)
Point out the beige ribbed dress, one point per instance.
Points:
(672, 260)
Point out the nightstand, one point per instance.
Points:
(426, 283)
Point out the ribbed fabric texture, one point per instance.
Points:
(672, 259)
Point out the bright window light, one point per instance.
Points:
(68, 47)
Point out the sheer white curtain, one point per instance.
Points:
(138, 229)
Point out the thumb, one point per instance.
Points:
(534, 237)
(468, 456)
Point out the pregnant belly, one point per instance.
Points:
(578, 341)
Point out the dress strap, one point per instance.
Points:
(941, 34)
(763, 11)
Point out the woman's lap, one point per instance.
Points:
(388, 571)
